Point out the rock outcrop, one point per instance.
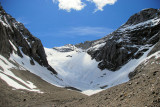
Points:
(15, 37)
(130, 41)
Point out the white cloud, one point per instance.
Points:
(101, 3)
(70, 4)
(87, 31)
(79, 5)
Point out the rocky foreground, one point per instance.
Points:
(142, 90)
(50, 95)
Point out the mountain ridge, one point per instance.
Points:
(126, 48)
(129, 33)
(16, 33)
(111, 63)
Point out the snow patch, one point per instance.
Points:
(6, 75)
(3, 22)
(81, 72)
(91, 92)
(14, 47)
(36, 69)
(97, 46)
(148, 23)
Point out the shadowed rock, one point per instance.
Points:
(15, 32)
(128, 42)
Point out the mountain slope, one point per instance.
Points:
(96, 65)
(128, 42)
(24, 67)
(142, 90)
(28, 79)
(48, 95)
(77, 69)
(14, 36)
(22, 51)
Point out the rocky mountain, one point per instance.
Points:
(15, 37)
(124, 65)
(130, 41)
(26, 78)
(104, 63)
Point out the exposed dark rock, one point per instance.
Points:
(85, 45)
(5, 47)
(66, 48)
(132, 74)
(32, 62)
(143, 15)
(68, 56)
(13, 32)
(130, 41)
(103, 87)
(157, 46)
(72, 88)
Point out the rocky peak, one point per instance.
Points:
(143, 15)
(67, 48)
(85, 45)
(14, 37)
(130, 41)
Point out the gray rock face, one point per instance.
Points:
(143, 15)
(11, 30)
(5, 47)
(66, 48)
(156, 47)
(85, 45)
(130, 41)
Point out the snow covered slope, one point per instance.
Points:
(96, 65)
(20, 50)
(77, 69)
(90, 67)
(16, 62)
(7, 75)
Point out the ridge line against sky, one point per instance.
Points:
(60, 22)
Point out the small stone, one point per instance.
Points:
(130, 83)
(121, 95)
(154, 73)
(153, 92)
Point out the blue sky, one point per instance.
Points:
(60, 22)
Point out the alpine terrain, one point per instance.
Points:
(120, 69)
